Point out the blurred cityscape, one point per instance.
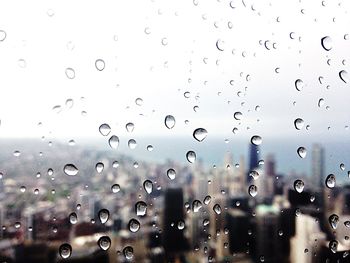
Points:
(117, 210)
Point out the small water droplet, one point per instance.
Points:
(333, 246)
(342, 167)
(70, 169)
(132, 144)
(113, 142)
(22, 189)
(103, 215)
(134, 225)
(99, 167)
(128, 252)
(253, 190)
(17, 153)
(330, 181)
(326, 43)
(206, 222)
(164, 41)
(298, 123)
(196, 206)
(181, 225)
(299, 185)
(2, 35)
(73, 218)
(302, 152)
(169, 121)
(17, 225)
(71, 142)
(299, 85)
(320, 102)
(100, 64)
(69, 103)
(148, 186)
(141, 208)
(65, 250)
(256, 140)
(220, 45)
(207, 200)
(254, 174)
(191, 156)
(171, 173)
(115, 188)
(333, 220)
(200, 134)
(104, 129)
(343, 74)
(104, 242)
(150, 148)
(217, 209)
(238, 115)
(129, 127)
(70, 73)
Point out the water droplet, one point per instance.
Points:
(22, 189)
(299, 123)
(69, 103)
(164, 41)
(299, 84)
(70, 73)
(191, 156)
(17, 225)
(256, 140)
(148, 186)
(238, 115)
(139, 101)
(333, 246)
(206, 222)
(342, 167)
(344, 76)
(115, 164)
(65, 250)
(71, 142)
(2, 35)
(330, 181)
(220, 45)
(253, 190)
(347, 224)
(254, 174)
(132, 144)
(320, 102)
(326, 43)
(171, 173)
(70, 169)
(100, 64)
(115, 188)
(217, 209)
(73, 218)
(22, 63)
(200, 134)
(149, 148)
(16, 153)
(113, 142)
(104, 129)
(207, 200)
(129, 127)
(301, 152)
(181, 225)
(134, 225)
(299, 185)
(128, 252)
(333, 220)
(141, 208)
(169, 121)
(196, 206)
(104, 242)
(103, 215)
(99, 167)
(36, 191)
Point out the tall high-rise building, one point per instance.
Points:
(317, 166)
(253, 159)
(174, 241)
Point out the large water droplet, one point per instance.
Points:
(299, 84)
(256, 140)
(70, 169)
(299, 185)
(104, 129)
(99, 167)
(333, 220)
(200, 134)
(196, 206)
(333, 246)
(70, 73)
(129, 127)
(343, 74)
(330, 181)
(65, 250)
(100, 64)
(217, 209)
(191, 156)
(134, 225)
(103, 215)
(104, 242)
(148, 186)
(253, 190)
(171, 173)
(128, 252)
(301, 152)
(299, 123)
(115, 188)
(326, 43)
(141, 208)
(73, 218)
(132, 144)
(169, 121)
(113, 142)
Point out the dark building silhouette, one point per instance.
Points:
(238, 224)
(174, 241)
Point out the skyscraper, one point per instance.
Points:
(317, 166)
(253, 159)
